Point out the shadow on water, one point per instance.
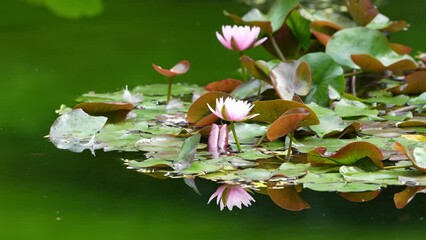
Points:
(47, 193)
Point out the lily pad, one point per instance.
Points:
(288, 198)
(269, 22)
(362, 11)
(325, 72)
(76, 131)
(360, 196)
(368, 49)
(287, 123)
(418, 157)
(271, 110)
(114, 111)
(347, 155)
(290, 78)
(401, 199)
(199, 114)
(226, 85)
(415, 83)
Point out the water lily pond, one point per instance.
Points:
(125, 118)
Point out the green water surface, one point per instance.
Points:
(46, 193)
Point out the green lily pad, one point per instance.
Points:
(325, 72)
(349, 109)
(366, 47)
(383, 177)
(76, 131)
(331, 125)
(269, 22)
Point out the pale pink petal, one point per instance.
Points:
(213, 139)
(218, 193)
(223, 41)
(218, 114)
(259, 42)
(223, 138)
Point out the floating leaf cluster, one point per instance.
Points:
(341, 110)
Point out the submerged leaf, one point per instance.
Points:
(401, 199)
(288, 198)
(360, 196)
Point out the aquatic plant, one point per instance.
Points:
(337, 108)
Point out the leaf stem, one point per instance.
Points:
(397, 167)
(243, 69)
(235, 136)
(260, 140)
(169, 89)
(276, 48)
(352, 73)
(290, 135)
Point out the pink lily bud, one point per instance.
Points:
(239, 38)
(218, 139)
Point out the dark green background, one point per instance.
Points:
(46, 193)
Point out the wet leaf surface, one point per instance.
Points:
(290, 78)
(367, 49)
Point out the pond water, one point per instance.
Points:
(46, 193)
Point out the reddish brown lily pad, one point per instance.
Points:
(258, 69)
(287, 123)
(288, 198)
(114, 111)
(347, 155)
(362, 11)
(360, 196)
(401, 199)
(199, 114)
(271, 110)
(227, 85)
(415, 83)
(371, 64)
(399, 48)
(178, 69)
(418, 158)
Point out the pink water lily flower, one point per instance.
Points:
(232, 110)
(239, 38)
(230, 196)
